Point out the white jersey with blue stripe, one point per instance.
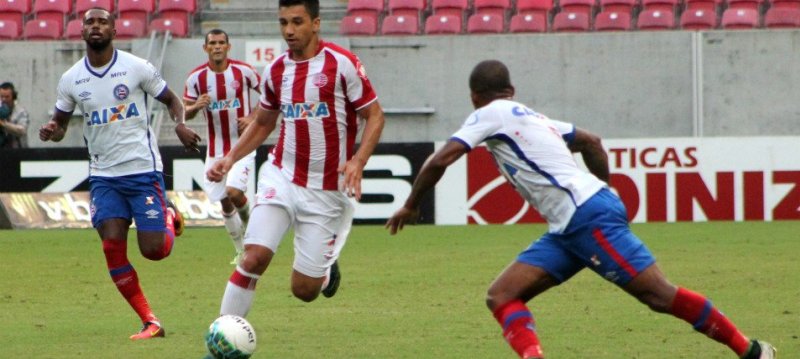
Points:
(116, 124)
(531, 152)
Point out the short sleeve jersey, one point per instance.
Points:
(114, 104)
(532, 154)
(318, 98)
(229, 92)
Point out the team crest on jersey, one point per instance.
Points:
(305, 110)
(121, 92)
(222, 105)
(235, 85)
(111, 114)
(319, 80)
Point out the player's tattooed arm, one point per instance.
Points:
(55, 129)
(591, 148)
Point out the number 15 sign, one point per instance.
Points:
(260, 53)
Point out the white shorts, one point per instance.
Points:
(237, 177)
(321, 220)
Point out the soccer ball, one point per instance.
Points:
(231, 337)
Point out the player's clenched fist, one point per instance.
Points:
(51, 131)
(217, 171)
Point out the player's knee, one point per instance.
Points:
(304, 292)
(235, 195)
(496, 298)
(153, 254)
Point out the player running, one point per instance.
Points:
(321, 90)
(220, 89)
(588, 225)
(126, 182)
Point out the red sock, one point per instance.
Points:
(124, 276)
(519, 328)
(698, 311)
(169, 234)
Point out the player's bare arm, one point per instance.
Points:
(353, 168)
(188, 137)
(590, 147)
(430, 174)
(263, 124)
(193, 107)
(55, 129)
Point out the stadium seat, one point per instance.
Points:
(656, 20)
(531, 22)
(400, 25)
(42, 30)
(745, 4)
(74, 29)
(82, 5)
(576, 6)
(784, 4)
(442, 24)
(777, 17)
(618, 6)
(612, 21)
(571, 22)
(129, 29)
(495, 7)
(54, 10)
(739, 19)
(485, 24)
(706, 5)
(136, 9)
(13, 12)
(407, 7)
(534, 6)
(663, 5)
(700, 19)
(176, 27)
(177, 9)
(450, 7)
(358, 25)
(373, 8)
(9, 30)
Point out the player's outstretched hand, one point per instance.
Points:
(188, 137)
(400, 218)
(218, 170)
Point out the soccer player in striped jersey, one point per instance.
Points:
(588, 224)
(324, 96)
(126, 182)
(220, 89)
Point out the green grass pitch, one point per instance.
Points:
(416, 295)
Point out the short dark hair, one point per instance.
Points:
(490, 78)
(216, 32)
(111, 16)
(312, 6)
(9, 86)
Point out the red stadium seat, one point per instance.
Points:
(373, 8)
(571, 22)
(82, 5)
(790, 4)
(663, 5)
(575, 6)
(612, 21)
(54, 10)
(407, 7)
(176, 27)
(618, 6)
(13, 12)
(745, 4)
(442, 24)
(534, 6)
(740, 19)
(129, 29)
(777, 17)
(358, 25)
(42, 30)
(9, 30)
(140, 10)
(656, 20)
(450, 7)
(496, 7)
(485, 24)
(531, 22)
(706, 5)
(74, 29)
(177, 9)
(400, 25)
(700, 19)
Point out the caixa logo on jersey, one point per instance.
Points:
(305, 110)
(223, 105)
(111, 114)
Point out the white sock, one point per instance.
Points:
(244, 213)
(235, 229)
(237, 300)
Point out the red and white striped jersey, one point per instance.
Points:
(230, 99)
(319, 98)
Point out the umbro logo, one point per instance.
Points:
(152, 214)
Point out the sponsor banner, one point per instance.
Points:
(59, 171)
(73, 209)
(659, 180)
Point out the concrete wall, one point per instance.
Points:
(620, 85)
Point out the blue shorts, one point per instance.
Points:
(598, 237)
(140, 197)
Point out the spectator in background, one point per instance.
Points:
(13, 119)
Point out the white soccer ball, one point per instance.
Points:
(231, 337)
